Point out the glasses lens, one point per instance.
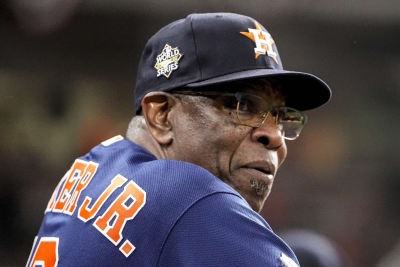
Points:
(250, 109)
(291, 122)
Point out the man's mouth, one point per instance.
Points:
(261, 176)
(262, 166)
(263, 170)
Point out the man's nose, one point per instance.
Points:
(269, 134)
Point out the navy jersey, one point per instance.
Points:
(120, 206)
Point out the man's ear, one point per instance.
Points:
(156, 107)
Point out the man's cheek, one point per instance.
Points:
(282, 153)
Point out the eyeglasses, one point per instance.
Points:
(253, 111)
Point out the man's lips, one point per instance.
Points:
(264, 167)
(261, 174)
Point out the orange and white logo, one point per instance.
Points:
(263, 42)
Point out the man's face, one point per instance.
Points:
(246, 158)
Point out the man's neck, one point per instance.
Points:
(137, 132)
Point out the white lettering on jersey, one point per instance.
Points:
(287, 262)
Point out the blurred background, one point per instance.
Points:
(67, 72)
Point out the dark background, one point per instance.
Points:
(67, 72)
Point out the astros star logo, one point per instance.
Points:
(263, 42)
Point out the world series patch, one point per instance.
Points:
(167, 61)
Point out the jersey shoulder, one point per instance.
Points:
(124, 200)
(222, 230)
(171, 188)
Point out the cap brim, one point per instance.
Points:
(303, 91)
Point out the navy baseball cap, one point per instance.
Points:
(213, 48)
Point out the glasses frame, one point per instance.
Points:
(264, 116)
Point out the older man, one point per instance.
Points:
(213, 110)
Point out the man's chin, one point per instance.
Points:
(255, 193)
(257, 202)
